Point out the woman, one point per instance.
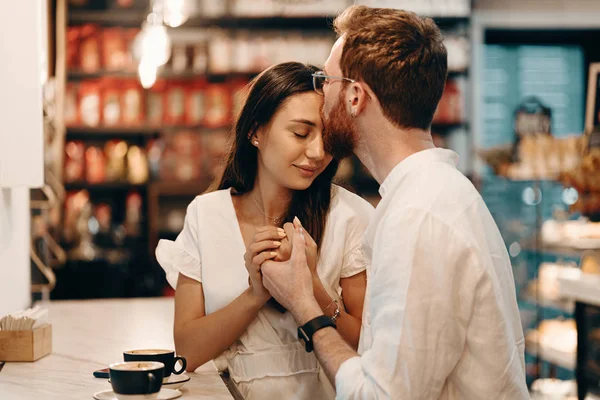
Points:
(277, 169)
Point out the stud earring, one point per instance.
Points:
(256, 142)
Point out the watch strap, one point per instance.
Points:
(306, 331)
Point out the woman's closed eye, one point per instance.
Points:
(301, 135)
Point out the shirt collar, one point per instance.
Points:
(413, 161)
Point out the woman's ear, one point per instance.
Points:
(257, 137)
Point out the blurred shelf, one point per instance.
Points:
(447, 21)
(94, 254)
(559, 304)
(557, 251)
(75, 75)
(167, 234)
(107, 186)
(458, 73)
(85, 131)
(115, 17)
(190, 188)
(584, 288)
(112, 130)
(134, 18)
(439, 128)
(554, 356)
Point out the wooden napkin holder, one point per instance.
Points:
(26, 345)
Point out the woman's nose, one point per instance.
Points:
(315, 149)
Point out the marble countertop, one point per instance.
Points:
(89, 335)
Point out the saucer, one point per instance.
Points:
(164, 394)
(175, 381)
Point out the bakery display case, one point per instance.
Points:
(538, 175)
(582, 288)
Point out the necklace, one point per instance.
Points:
(276, 220)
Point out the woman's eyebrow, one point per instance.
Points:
(304, 121)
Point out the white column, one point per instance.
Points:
(15, 275)
(22, 57)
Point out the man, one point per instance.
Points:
(440, 318)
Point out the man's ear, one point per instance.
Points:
(358, 96)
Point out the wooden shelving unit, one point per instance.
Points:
(156, 192)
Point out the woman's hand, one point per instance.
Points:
(285, 250)
(263, 247)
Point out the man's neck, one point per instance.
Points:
(383, 146)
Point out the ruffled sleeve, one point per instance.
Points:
(182, 255)
(354, 262)
(360, 212)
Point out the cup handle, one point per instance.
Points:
(151, 380)
(183, 365)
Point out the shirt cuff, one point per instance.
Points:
(348, 377)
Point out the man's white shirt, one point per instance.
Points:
(440, 319)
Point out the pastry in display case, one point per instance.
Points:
(557, 334)
(590, 262)
(585, 178)
(546, 286)
(578, 234)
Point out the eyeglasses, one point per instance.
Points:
(320, 79)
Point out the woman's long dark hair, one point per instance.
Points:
(266, 94)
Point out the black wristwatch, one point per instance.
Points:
(306, 331)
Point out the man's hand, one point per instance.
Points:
(290, 282)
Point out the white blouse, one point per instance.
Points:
(268, 361)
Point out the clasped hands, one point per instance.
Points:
(282, 263)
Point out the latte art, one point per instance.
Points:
(137, 366)
(149, 351)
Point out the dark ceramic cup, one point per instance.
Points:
(166, 357)
(136, 378)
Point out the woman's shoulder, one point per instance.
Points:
(349, 206)
(211, 199)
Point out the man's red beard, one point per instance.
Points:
(340, 132)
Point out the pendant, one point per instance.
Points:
(277, 220)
